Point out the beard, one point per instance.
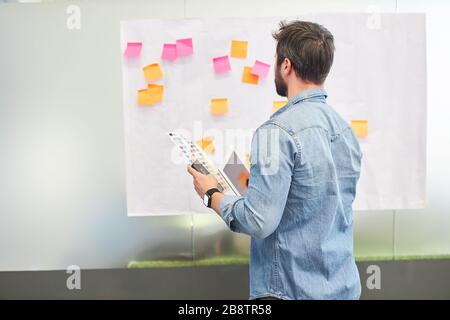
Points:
(280, 85)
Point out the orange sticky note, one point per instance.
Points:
(219, 106)
(144, 97)
(239, 49)
(277, 105)
(152, 72)
(249, 77)
(361, 128)
(207, 145)
(156, 92)
(243, 179)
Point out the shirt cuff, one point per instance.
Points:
(227, 204)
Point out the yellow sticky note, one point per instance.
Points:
(152, 72)
(361, 127)
(249, 77)
(277, 105)
(247, 159)
(207, 145)
(144, 97)
(156, 92)
(219, 106)
(239, 49)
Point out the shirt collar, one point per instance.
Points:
(302, 96)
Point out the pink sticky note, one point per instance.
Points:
(184, 47)
(169, 52)
(221, 64)
(260, 68)
(133, 49)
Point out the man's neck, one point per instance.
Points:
(298, 88)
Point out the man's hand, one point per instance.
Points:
(202, 182)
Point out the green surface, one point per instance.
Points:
(242, 260)
(213, 261)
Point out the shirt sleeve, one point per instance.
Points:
(258, 214)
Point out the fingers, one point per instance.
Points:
(197, 188)
(192, 171)
(195, 174)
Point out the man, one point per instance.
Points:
(305, 167)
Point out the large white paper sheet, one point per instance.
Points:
(379, 74)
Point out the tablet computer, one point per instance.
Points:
(237, 174)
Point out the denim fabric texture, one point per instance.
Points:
(305, 165)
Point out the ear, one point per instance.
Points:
(286, 66)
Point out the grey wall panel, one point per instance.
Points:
(62, 185)
(399, 280)
(212, 238)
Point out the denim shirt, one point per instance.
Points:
(305, 164)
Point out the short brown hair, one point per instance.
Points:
(309, 46)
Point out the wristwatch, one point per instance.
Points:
(208, 196)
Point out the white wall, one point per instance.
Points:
(427, 231)
(62, 190)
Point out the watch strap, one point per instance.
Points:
(209, 193)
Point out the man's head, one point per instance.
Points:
(304, 54)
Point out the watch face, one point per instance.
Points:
(205, 200)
